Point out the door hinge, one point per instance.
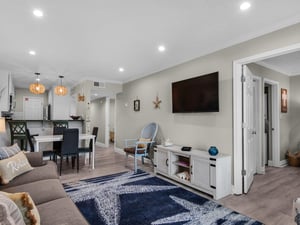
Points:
(243, 125)
(243, 172)
(243, 78)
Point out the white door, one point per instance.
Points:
(249, 132)
(33, 108)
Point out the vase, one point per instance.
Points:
(213, 150)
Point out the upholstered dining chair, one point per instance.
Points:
(31, 145)
(90, 148)
(140, 147)
(69, 147)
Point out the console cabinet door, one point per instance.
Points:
(200, 172)
(161, 161)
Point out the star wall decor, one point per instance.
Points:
(157, 103)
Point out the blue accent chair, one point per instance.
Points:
(140, 147)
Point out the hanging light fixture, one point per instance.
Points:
(37, 88)
(60, 89)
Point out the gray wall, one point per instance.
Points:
(284, 82)
(294, 108)
(199, 130)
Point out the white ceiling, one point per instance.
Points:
(288, 64)
(92, 39)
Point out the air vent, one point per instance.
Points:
(99, 84)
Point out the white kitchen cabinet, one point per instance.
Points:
(195, 168)
(6, 91)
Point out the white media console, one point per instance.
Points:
(195, 168)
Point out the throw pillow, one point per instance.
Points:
(10, 214)
(13, 166)
(143, 140)
(26, 206)
(9, 151)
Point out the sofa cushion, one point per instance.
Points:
(13, 167)
(9, 151)
(35, 158)
(48, 171)
(61, 211)
(10, 214)
(41, 191)
(27, 207)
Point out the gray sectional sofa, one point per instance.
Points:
(43, 185)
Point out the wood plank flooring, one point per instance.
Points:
(270, 199)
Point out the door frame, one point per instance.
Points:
(275, 99)
(237, 109)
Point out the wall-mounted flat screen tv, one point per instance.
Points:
(198, 94)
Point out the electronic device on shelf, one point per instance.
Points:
(186, 148)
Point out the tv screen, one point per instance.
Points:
(198, 94)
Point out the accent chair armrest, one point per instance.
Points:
(35, 158)
(130, 142)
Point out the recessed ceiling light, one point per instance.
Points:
(38, 13)
(121, 69)
(245, 5)
(32, 52)
(161, 48)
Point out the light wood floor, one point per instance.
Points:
(270, 199)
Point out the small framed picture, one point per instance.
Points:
(283, 100)
(136, 105)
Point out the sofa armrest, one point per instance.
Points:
(35, 158)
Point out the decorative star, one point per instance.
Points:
(157, 103)
(106, 194)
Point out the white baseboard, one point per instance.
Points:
(119, 150)
(100, 144)
(283, 163)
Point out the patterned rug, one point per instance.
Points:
(139, 199)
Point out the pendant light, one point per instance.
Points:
(60, 90)
(37, 88)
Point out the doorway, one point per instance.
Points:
(239, 141)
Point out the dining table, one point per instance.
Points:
(53, 138)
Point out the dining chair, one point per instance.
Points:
(90, 148)
(18, 133)
(141, 147)
(31, 145)
(69, 146)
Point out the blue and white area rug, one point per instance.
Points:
(140, 199)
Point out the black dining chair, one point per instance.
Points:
(69, 146)
(18, 133)
(31, 145)
(90, 148)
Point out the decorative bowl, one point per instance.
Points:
(213, 150)
(75, 117)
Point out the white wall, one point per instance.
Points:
(61, 106)
(98, 117)
(199, 130)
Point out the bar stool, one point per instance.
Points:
(18, 133)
